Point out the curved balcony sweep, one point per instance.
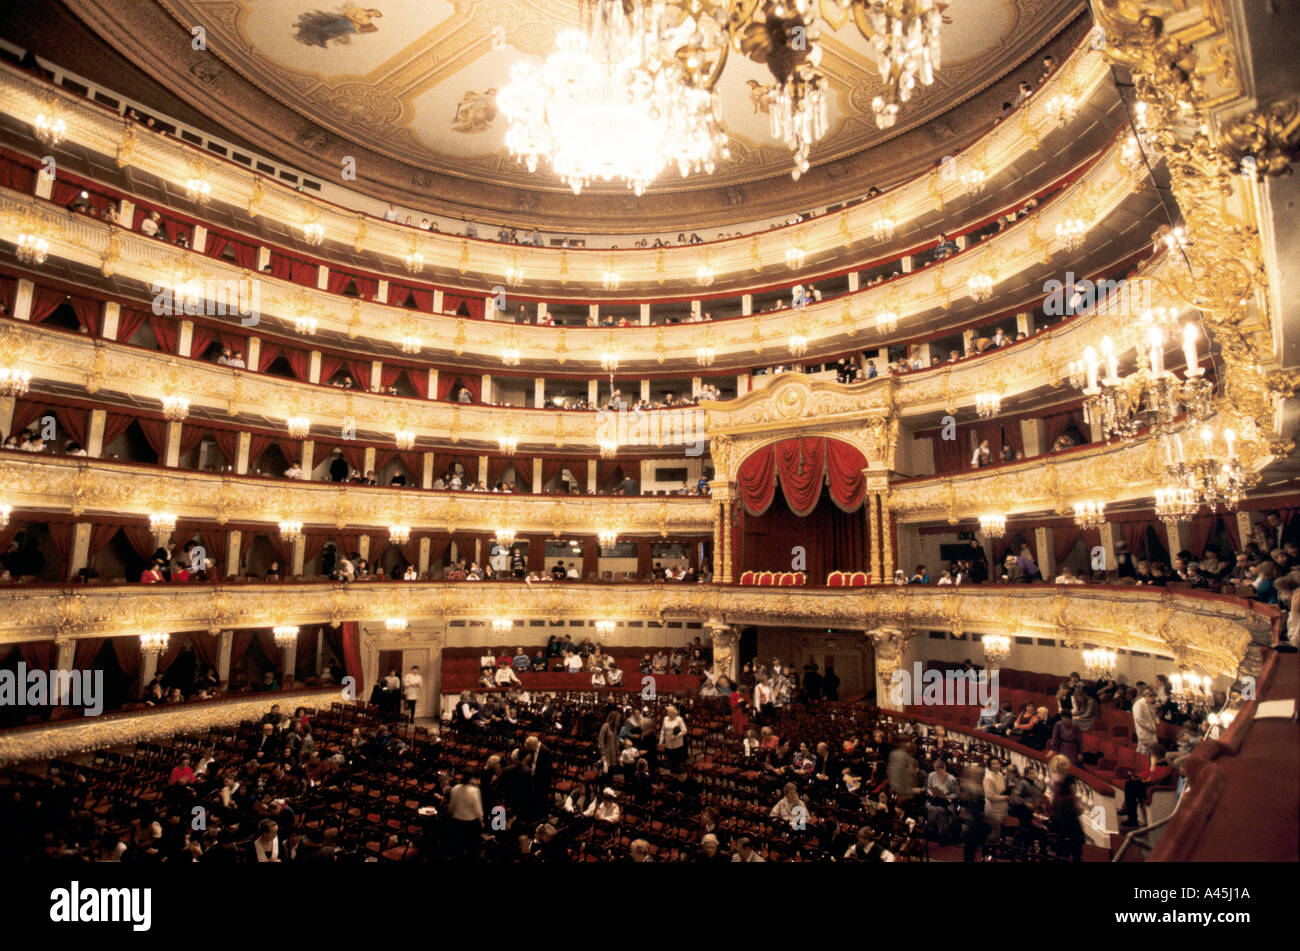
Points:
(1208, 632)
(1007, 266)
(1081, 77)
(86, 488)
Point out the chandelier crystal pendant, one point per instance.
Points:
(412, 344)
(607, 537)
(605, 627)
(511, 356)
(1190, 690)
(988, 405)
(1099, 663)
(50, 130)
(14, 382)
(905, 37)
(154, 643)
(797, 344)
(175, 408)
(5, 512)
(290, 531)
(1088, 515)
(395, 625)
(993, 526)
(973, 181)
(1175, 504)
(1071, 233)
(399, 534)
(798, 113)
(313, 233)
(704, 356)
(704, 275)
(1216, 476)
(404, 439)
(161, 523)
(198, 190)
(608, 448)
(306, 325)
(286, 635)
(502, 625)
(505, 537)
(887, 321)
(997, 648)
(883, 228)
(299, 427)
(31, 249)
(980, 287)
(508, 445)
(609, 361)
(1062, 108)
(413, 262)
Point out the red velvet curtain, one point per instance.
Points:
(26, 412)
(1198, 534)
(155, 432)
(1135, 534)
(832, 539)
(359, 370)
(44, 303)
(497, 467)
(292, 269)
(419, 381)
(299, 363)
(17, 176)
(75, 422)
(266, 356)
(214, 541)
(89, 313)
(200, 340)
(127, 650)
(352, 653)
(129, 320)
(166, 331)
(844, 465)
(87, 650)
(398, 294)
(474, 306)
(329, 366)
(551, 468)
(949, 454)
(756, 481)
(61, 540)
(115, 424)
(1064, 536)
(389, 375)
(448, 382)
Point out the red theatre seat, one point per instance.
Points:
(747, 578)
(786, 579)
(835, 579)
(766, 578)
(858, 579)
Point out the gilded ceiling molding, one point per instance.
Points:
(90, 490)
(1084, 73)
(1212, 634)
(313, 119)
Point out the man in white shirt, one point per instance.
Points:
(573, 663)
(1067, 576)
(237, 361)
(573, 574)
(745, 851)
(294, 471)
(391, 213)
(505, 676)
(412, 684)
(1145, 720)
(465, 806)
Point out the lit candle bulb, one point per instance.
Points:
(1189, 351)
(1112, 363)
(1090, 360)
(1207, 435)
(1157, 341)
(1229, 437)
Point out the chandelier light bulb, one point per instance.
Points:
(290, 530)
(997, 648)
(993, 526)
(31, 249)
(162, 523)
(299, 426)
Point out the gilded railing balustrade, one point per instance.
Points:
(86, 488)
(1208, 632)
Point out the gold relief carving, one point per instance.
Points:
(757, 336)
(845, 232)
(98, 369)
(256, 198)
(1270, 136)
(462, 265)
(127, 145)
(559, 431)
(935, 192)
(661, 270)
(360, 243)
(354, 320)
(112, 254)
(660, 354)
(236, 394)
(561, 346)
(460, 336)
(564, 267)
(756, 260)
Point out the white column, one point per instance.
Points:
(854, 282)
(233, 542)
(313, 367)
(95, 435)
(1043, 542)
(376, 373)
(747, 305)
(172, 451)
(23, 300)
(112, 315)
(185, 339)
(645, 315)
(225, 641)
(539, 393)
(241, 453)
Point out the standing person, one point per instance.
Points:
(1066, 738)
(972, 809)
(541, 766)
(996, 800)
(518, 565)
(607, 741)
(465, 806)
(412, 683)
(831, 683)
(1063, 820)
(672, 737)
(391, 698)
(1145, 720)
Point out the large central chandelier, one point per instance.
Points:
(607, 105)
(634, 92)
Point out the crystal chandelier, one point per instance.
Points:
(973, 181)
(1149, 398)
(299, 427)
(1062, 108)
(997, 648)
(980, 287)
(31, 249)
(988, 405)
(1217, 478)
(399, 534)
(798, 344)
(794, 256)
(290, 531)
(305, 325)
(704, 275)
(607, 104)
(883, 228)
(313, 233)
(905, 35)
(1176, 504)
(798, 113)
(609, 361)
(5, 512)
(395, 625)
(154, 643)
(505, 537)
(1190, 690)
(1090, 514)
(502, 625)
(605, 627)
(887, 321)
(993, 526)
(1099, 664)
(511, 356)
(198, 190)
(611, 280)
(411, 344)
(704, 356)
(14, 382)
(162, 523)
(1071, 233)
(607, 537)
(413, 262)
(175, 408)
(49, 129)
(405, 439)
(286, 635)
(508, 445)
(608, 448)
